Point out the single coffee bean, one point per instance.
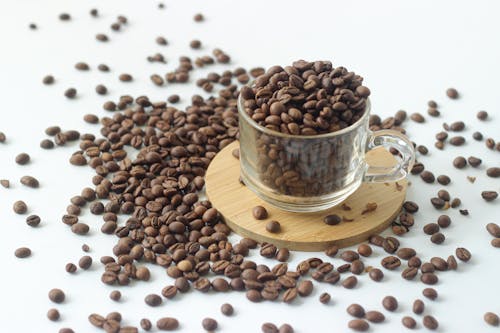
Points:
(305, 288)
(209, 324)
(125, 77)
(444, 221)
(427, 177)
(376, 274)
(20, 207)
(359, 325)
(332, 251)
(477, 136)
(463, 254)
(452, 93)
(433, 112)
(46, 144)
(444, 195)
(22, 159)
(198, 17)
(391, 262)
(457, 140)
(482, 115)
(455, 202)
(56, 295)
(491, 319)
(273, 226)
(429, 278)
(439, 263)
(286, 328)
(115, 295)
(430, 293)
(5, 183)
(422, 150)
(332, 219)
(30, 181)
(53, 314)
(417, 168)
(410, 207)
(495, 242)
(438, 238)
(70, 268)
(349, 256)
(324, 298)
(227, 309)
(459, 162)
(418, 306)
(85, 262)
(289, 295)
(70, 93)
(430, 322)
(33, 220)
(101, 37)
(85, 248)
(48, 79)
(489, 195)
(365, 250)
(356, 310)
(408, 322)
(390, 303)
(493, 172)
(374, 316)
(409, 273)
(167, 324)
(493, 229)
(414, 262)
(376, 240)
(269, 328)
(390, 244)
(259, 213)
(22, 252)
(254, 295)
(452, 262)
(417, 117)
(80, 228)
(350, 282)
(427, 267)
(438, 203)
(282, 255)
(443, 180)
(490, 143)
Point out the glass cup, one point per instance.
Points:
(306, 173)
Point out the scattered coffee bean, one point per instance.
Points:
(490, 143)
(438, 238)
(443, 221)
(22, 252)
(452, 262)
(56, 295)
(482, 115)
(101, 37)
(455, 203)
(430, 293)
(408, 322)
(376, 274)
(20, 207)
(359, 325)
(390, 303)
(489, 195)
(115, 295)
(493, 229)
(167, 324)
(390, 244)
(495, 242)
(125, 77)
(439, 263)
(374, 316)
(80, 228)
(273, 226)
(5, 183)
(85, 262)
(209, 324)
(153, 300)
(443, 180)
(365, 250)
(198, 17)
(70, 268)
(493, 172)
(53, 315)
(452, 93)
(491, 319)
(438, 203)
(417, 117)
(30, 181)
(457, 140)
(70, 93)
(332, 251)
(459, 162)
(286, 328)
(417, 168)
(33, 220)
(46, 144)
(463, 254)
(356, 310)
(332, 219)
(418, 306)
(430, 322)
(227, 309)
(324, 298)
(410, 207)
(22, 158)
(429, 278)
(350, 282)
(259, 213)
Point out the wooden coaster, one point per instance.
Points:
(304, 231)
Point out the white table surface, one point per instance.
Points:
(408, 52)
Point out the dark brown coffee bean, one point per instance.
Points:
(332, 219)
(417, 117)
(417, 168)
(482, 115)
(358, 325)
(493, 172)
(452, 93)
(477, 136)
(457, 126)
(332, 251)
(46, 144)
(422, 150)
(357, 267)
(22, 159)
(444, 221)
(495, 242)
(430, 322)
(227, 309)
(491, 319)
(268, 250)
(408, 322)
(376, 274)
(78, 160)
(438, 203)
(443, 180)
(459, 162)
(20, 207)
(439, 145)
(48, 79)
(254, 296)
(273, 226)
(390, 303)
(56, 295)
(376, 240)
(286, 328)
(167, 324)
(356, 310)
(70, 268)
(198, 17)
(125, 77)
(259, 213)
(390, 244)
(375, 316)
(418, 306)
(209, 324)
(305, 288)
(153, 300)
(493, 229)
(414, 262)
(115, 295)
(463, 254)
(70, 93)
(325, 298)
(452, 262)
(438, 238)
(429, 278)
(406, 253)
(22, 252)
(489, 195)
(410, 207)
(444, 195)
(85, 262)
(33, 220)
(53, 315)
(409, 273)
(80, 228)
(282, 255)
(433, 112)
(101, 37)
(490, 143)
(427, 177)
(457, 140)
(431, 228)
(439, 263)
(349, 255)
(350, 282)
(365, 250)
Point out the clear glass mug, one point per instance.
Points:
(309, 173)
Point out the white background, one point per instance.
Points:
(408, 52)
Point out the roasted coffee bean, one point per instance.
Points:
(48, 79)
(443, 180)
(414, 262)
(332, 219)
(282, 255)
(227, 309)
(491, 319)
(431, 228)
(493, 172)
(463, 254)
(433, 112)
(459, 162)
(457, 126)
(198, 17)
(22, 252)
(427, 177)
(22, 159)
(452, 262)
(482, 115)
(167, 324)
(376, 240)
(325, 298)
(53, 315)
(350, 282)
(20, 207)
(444, 195)
(438, 238)
(477, 136)
(273, 226)
(56, 295)
(376, 274)
(438, 203)
(125, 77)
(410, 207)
(490, 143)
(429, 278)
(493, 229)
(70, 93)
(375, 316)
(46, 144)
(357, 267)
(254, 295)
(289, 295)
(406, 253)
(209, 324)
(489, 195)
(418, 306)
(390, 303)
(349, 256)
(439, 263)
(409, 273)
(70, 268)
(305, 288)
(417, 168)
(259, 213)
(408, 322)
(452, 93)
(390, 244)
(417, 117)
(268, 250)
(359, 325)
(356, 310)
(97, 320)
(286, 328)
(365, 250)
(457, 140)
(85, 262)
(115, 295)
(80, 228)
(430, 322)
(101, 37)
(391, 262)
(444, 221)
(5, 183)
(33, 220)
(495, 242)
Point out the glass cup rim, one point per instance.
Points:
(254, 124)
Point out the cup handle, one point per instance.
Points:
(390, 139)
